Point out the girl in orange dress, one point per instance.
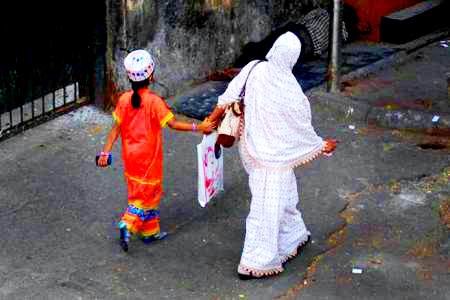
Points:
(139, 116)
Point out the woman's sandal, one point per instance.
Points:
(250, 275)
(247, 276)
(300, 249)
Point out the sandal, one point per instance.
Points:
(304, 244)
(247, 276)
(250, 275)
(124, 238)
(300, 249)
(157, 237)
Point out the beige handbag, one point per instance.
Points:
(230, 126)
(229, 129)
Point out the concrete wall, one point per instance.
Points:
(190, 38)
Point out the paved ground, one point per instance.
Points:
(380, 204)
(58, 213)
(421, 79)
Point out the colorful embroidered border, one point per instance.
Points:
(145, 215)
(144, 223)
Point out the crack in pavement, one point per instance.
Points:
(337, 237)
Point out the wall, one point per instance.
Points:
(190, 38)
(370, 13)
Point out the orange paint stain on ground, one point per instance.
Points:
(338, 237)
(419, 104)
(293, 292)
(361, 86)
(371, 130)
(343, 280)
(427, 139)
(374, 241)
(423, 249)
(350, 216)
(424, 274)
(444, 213)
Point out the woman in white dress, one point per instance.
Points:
(277, 137)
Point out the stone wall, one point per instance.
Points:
(190, 38)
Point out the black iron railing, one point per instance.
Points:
(47, 59)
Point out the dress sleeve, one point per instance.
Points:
(162, 112)
(119, 111)
(234, 88)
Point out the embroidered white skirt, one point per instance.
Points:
(274, 226)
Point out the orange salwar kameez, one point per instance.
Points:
(142, 153)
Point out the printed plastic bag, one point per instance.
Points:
(210, 169)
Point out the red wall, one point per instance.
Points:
(371, 11)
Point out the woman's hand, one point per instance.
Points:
(330, 146)
(217, 114)
(207, 126)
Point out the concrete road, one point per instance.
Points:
(58, 214)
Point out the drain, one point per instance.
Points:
(432, 146)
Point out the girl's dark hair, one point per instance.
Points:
(136, 86)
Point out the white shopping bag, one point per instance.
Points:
(210, 169)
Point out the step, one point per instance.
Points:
(412, 22)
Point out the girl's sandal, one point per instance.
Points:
(157, 237)
(124, 238)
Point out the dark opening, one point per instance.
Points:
(52, 53)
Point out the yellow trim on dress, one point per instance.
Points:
(116, 118)
(166, 119)
(139, 204)
(142, 181)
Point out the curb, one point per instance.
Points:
(400, 118)
(394, 119)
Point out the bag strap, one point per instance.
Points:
(242, 94)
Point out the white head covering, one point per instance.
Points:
(278, 131)
(139, 65)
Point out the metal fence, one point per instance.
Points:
(47, 60)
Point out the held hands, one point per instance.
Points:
(207, 126)
(330, 146)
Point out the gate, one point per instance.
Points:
(49, 55)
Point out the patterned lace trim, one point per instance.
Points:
(295, 252)
(255, 164)
(245, 270)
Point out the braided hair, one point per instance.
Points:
(136, 86)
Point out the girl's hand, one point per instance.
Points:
(103, 161)
(214, 123)
(330, 146)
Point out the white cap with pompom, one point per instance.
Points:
(139, 65)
